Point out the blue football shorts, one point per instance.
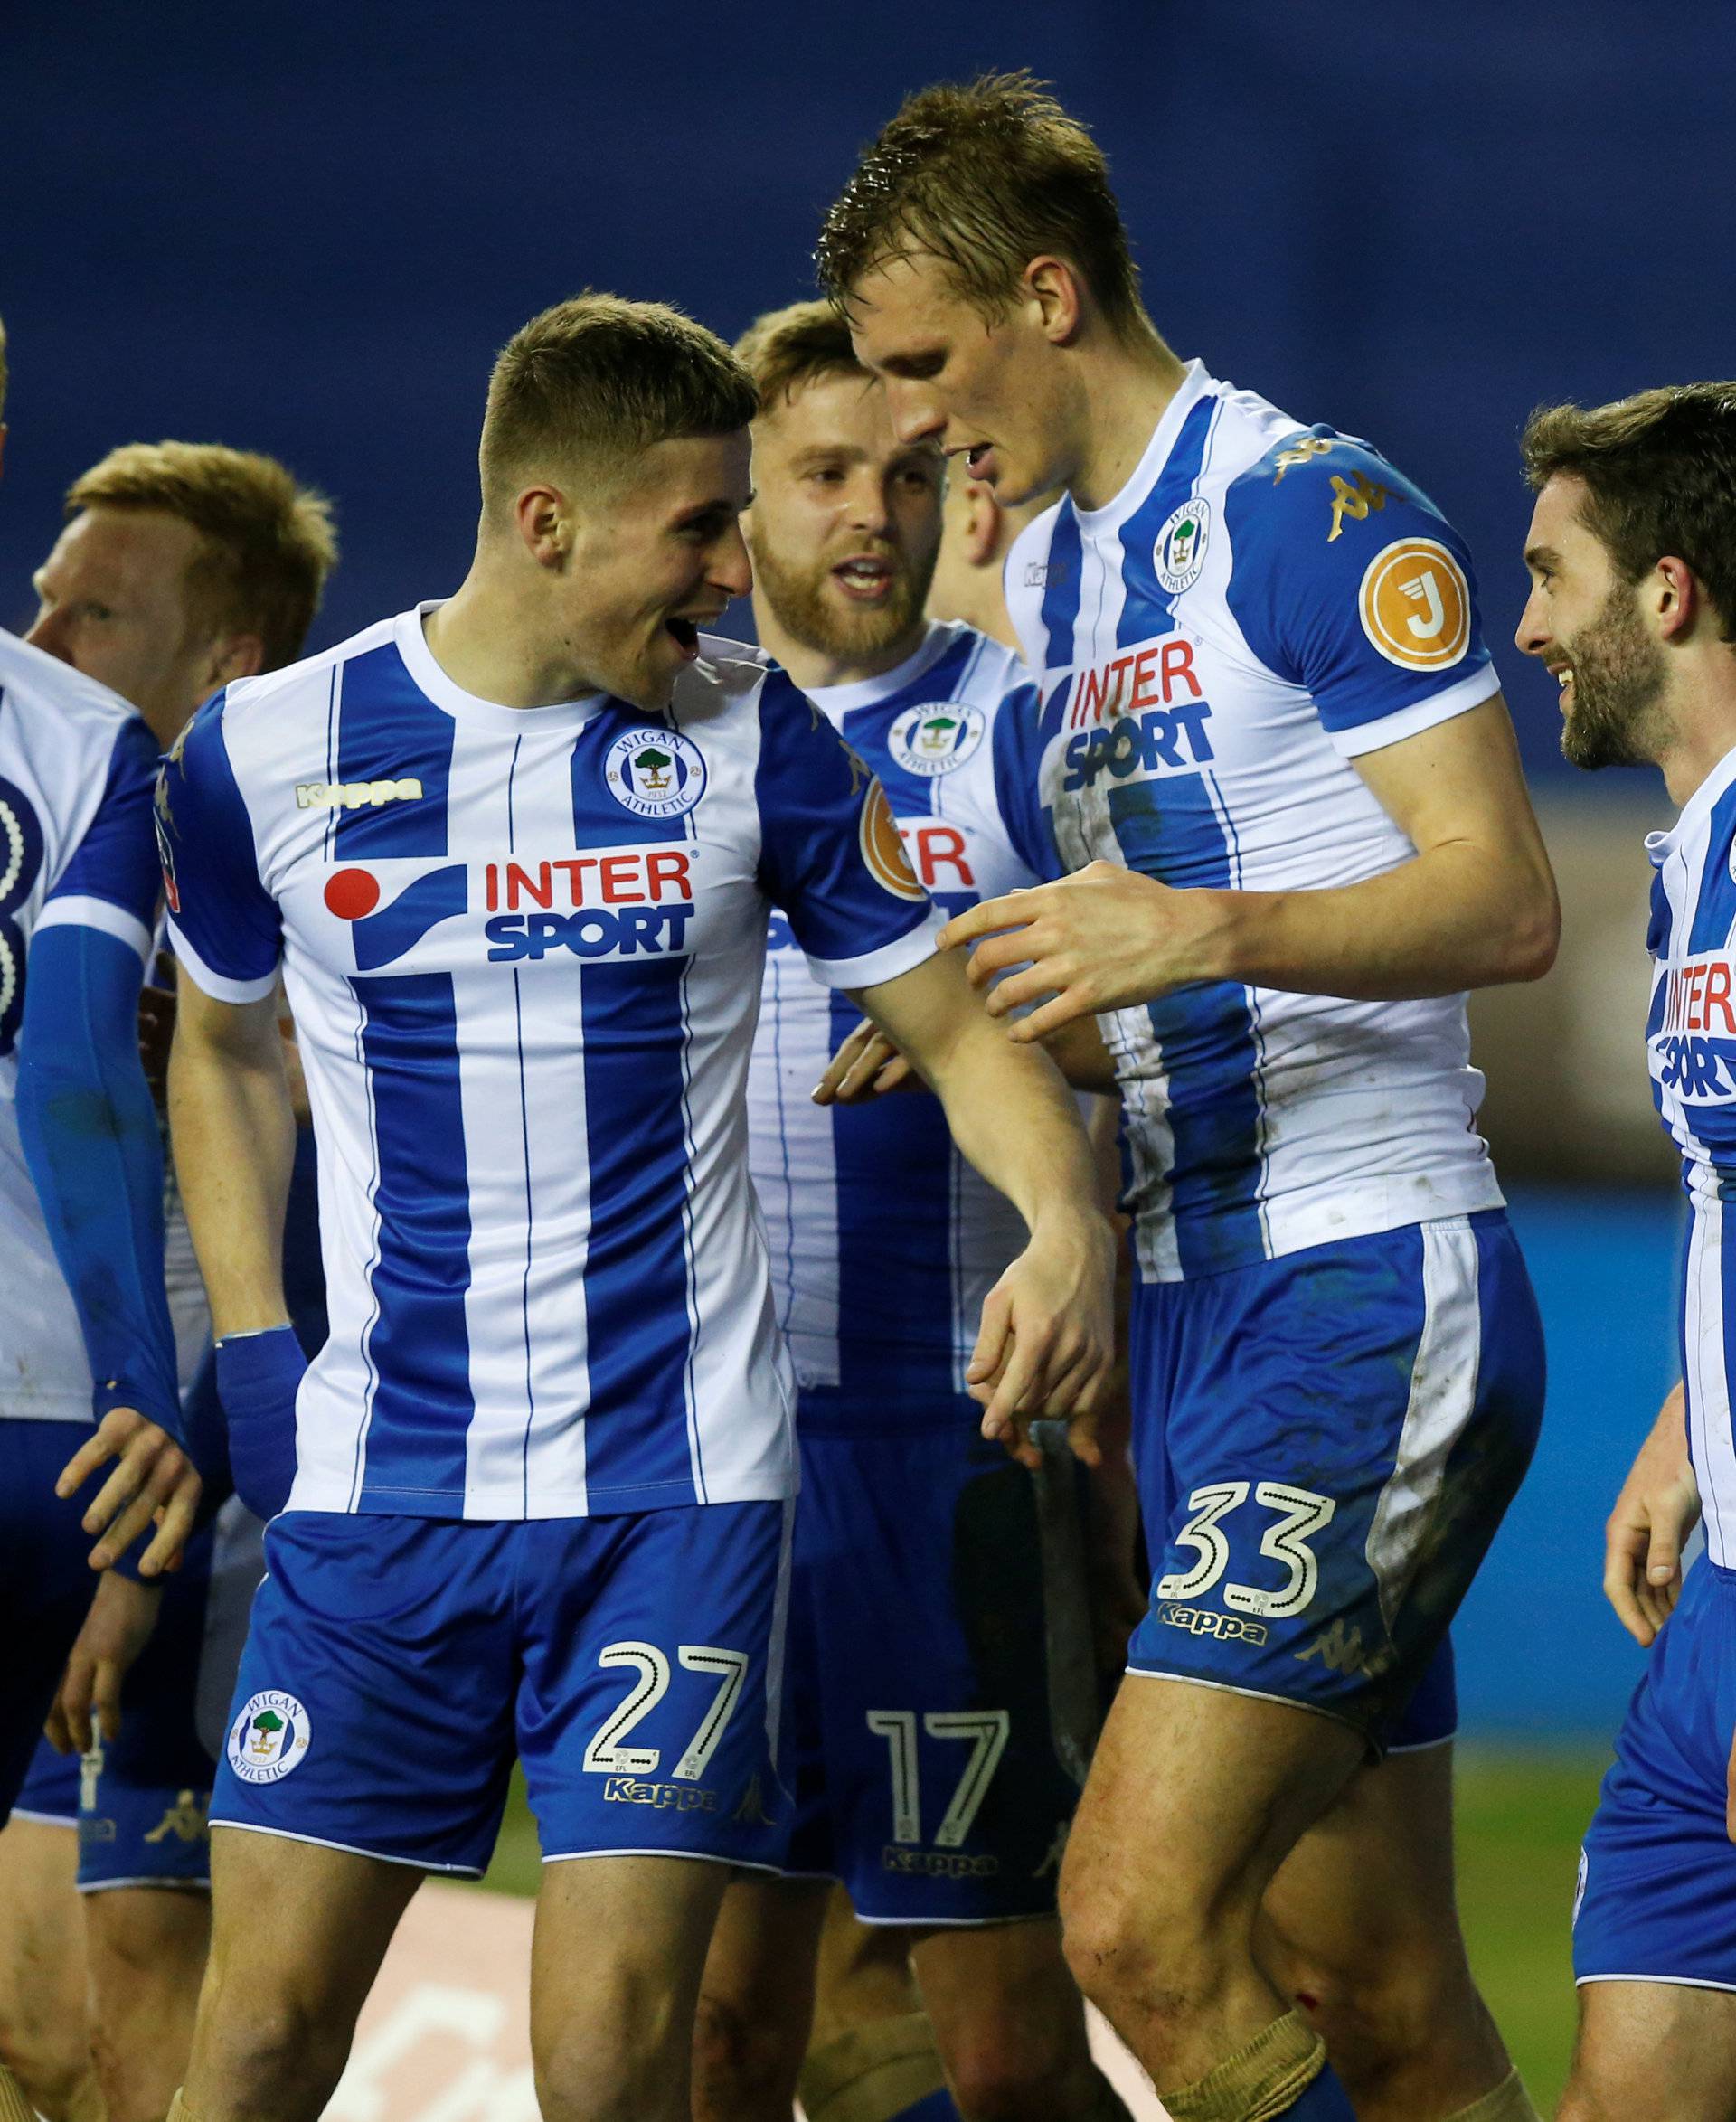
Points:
(942, 1698)
(396, 1667)
(45, 1585)
(1325, 1444)
(1657, 1873)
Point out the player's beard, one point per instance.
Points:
(1618, 676)
(820, 621)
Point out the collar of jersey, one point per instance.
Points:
(1140, 481)
(838, 699)
(469, 707)
(1660, 846)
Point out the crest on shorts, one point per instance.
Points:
(268, 1737)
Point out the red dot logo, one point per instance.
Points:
(351, 893)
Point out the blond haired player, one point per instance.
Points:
(180, 565)
(1279, 773)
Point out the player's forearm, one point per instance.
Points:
(234, 1136)
(1013, 1119)
(1456, 916)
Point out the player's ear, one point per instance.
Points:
(543, 523)
(234, 655)
(982, 535)
(1674, 594)
(1051, 289)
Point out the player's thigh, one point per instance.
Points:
(42, 2031)
(756, 2004)
(620, 1952)
(939, 1751)
(1004, 2007)
(147, 1947)
(1326, 1442)
(1652, 2051)
(1369, 1890)
(1195, 1797)
(864, 1971)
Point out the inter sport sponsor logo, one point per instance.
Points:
(1141, 748)
(270, 1738)
(1693, 1050)
(936, 738)
(1156, 675)
(655, 773)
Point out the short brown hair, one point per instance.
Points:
(1659, 470)
(268, 541)
(986, 177)
(789, 347)
(597, 376)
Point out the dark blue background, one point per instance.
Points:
(308, 232)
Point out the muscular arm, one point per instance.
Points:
(1047, 1335)
(1476, 905)
(234, 1136)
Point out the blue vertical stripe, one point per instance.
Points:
(636, 1293)
(1148, 608)
(1062, 590)
(420, 1345)
(389, 730)
(1714, 911)
(599, 819)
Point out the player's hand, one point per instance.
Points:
(116, 1630)
(1046, 1346)
(1659, 1507)
(865, 1067)
(1100, 939)
(154, 1480)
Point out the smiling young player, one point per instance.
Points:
(1632, 555)
(514, 854)
(1275, 758)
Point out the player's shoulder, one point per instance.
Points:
(1298, 493)
(305, 683)
(36, 683)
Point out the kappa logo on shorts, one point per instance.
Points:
(937, 1863)
(188, 1820)
(667, 1797)
(269, 1737)
(655, 773)
(1416, 605)
(1202, 1621)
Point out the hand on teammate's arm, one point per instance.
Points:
(1657, 1509)
(868, 1065)
(115, 1633)
(154, 1483)
(1475, 907)
(1047, 1339)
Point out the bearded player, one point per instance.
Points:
(514, 854)
(1277, 768)
(1632, 556)
(935, 1762)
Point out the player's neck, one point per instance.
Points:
(488, 642)
(815, 669)
(1700, 734)
(1126, 388)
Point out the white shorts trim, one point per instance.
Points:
(43, 1819)
(350, 1850)
(1287, 1701)
(689, 1856)
(948, 1922)
(1658, 1981)
(1422, 1745)
(201, 1885)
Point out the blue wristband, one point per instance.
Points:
(259, 1376)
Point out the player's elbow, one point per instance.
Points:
(1532, 932)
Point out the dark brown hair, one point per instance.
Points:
(1659, 470)
(787, 347)
(598, 377)
(986, 177)
(267, 542)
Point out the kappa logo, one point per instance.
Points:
(1353, 498)
(936, 738)
(355, 794)
(1416, 605)
(1301, 452)
(883, 848)
(1041, 574)
(655, 773)
(1179, 553)
(1203, 1621)
(270, 1738)
(188, 1820)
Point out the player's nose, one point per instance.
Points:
(50, 634)
(1531, 635)
(915, 415)
(731, 568)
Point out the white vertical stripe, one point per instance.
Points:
(780, 1629)
(1710, 1438)
(795, 1162)
(1443, 1394)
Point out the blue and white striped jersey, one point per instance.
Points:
(1691, 1047)
(76, 769)
(884, 1241)
(1260, 605)
(524, 949)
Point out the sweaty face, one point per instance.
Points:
(658, 558)
(846, 524)
(986, 391)
(113, 602)
(1585, 623)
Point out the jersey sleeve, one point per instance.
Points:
(224, 926)
(1346, 580)
(111, 882)
(831, 855)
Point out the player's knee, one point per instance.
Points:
(1388, 2005)
(1123, 1950)
(50, 2058)
(1003, 2073)
(744, 2061)
(264, 2051)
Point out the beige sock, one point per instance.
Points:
(1509, 2102)
(179, 2110)
(868, 2074)
(1258, 2082)
(13, 2106)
